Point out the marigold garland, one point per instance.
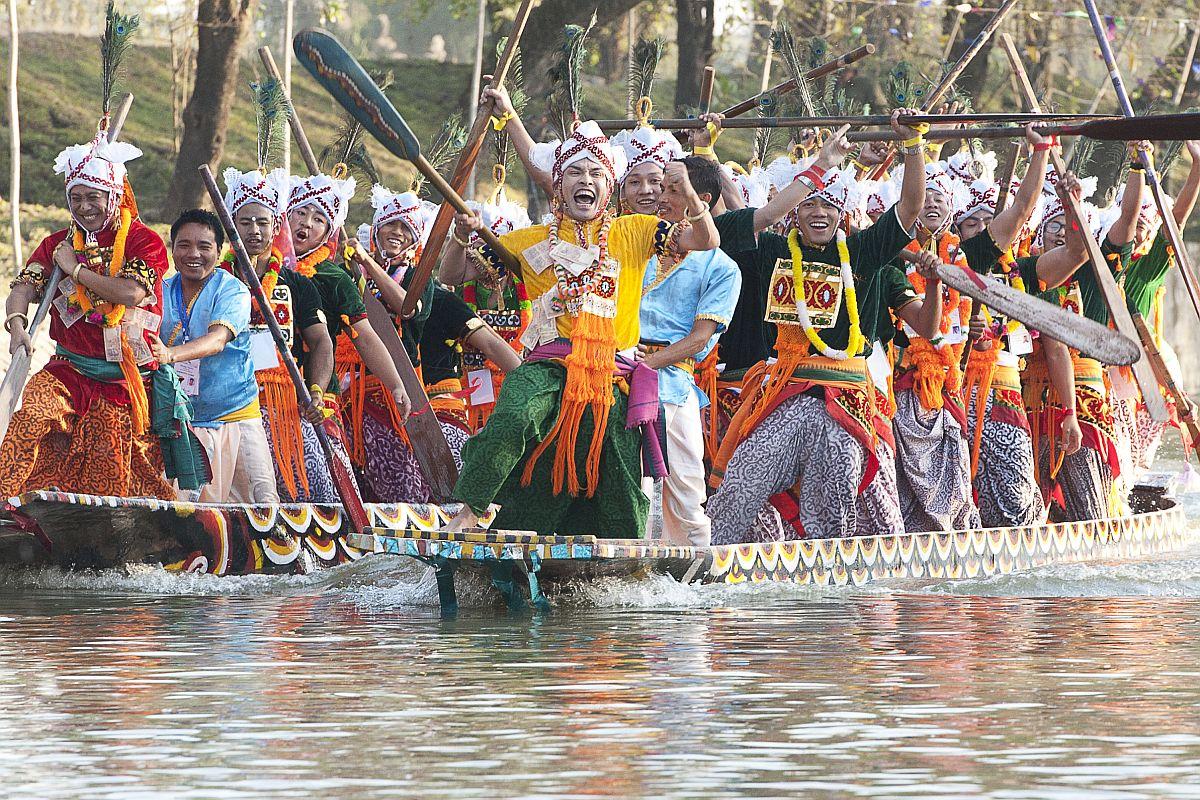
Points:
(854, 339)
(103, 312)
(307, 266)
(268, 280)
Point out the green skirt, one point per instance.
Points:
(494, 459)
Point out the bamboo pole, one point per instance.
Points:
(1186, 71)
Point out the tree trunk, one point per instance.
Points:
(14, 141)
(223, 26)
(694, 37)
(973, 77)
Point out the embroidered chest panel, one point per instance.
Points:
(822, 294)
(281, 305)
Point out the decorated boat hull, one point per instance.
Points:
(87, 532)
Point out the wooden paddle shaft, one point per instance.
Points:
(1182, 406)
(1174, 237)
(1113, 298)
(467, 157)
(685, 123)
(787, 86)
(706, 89)
(458, 204)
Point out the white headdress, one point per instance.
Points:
(753, 185)
(587, 142)
(647, 145)
(503, 216)
(1148, 211)
(841, 189)
(966, 168)
(330, 195)
(99, 164)
(271, 190)
(417, 214)
(878, 196)
(783, 170)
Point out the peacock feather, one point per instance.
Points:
(643, 64)
(443, 151)
(764, 138)
(114, 45)
(566, 93)
(271, 112)
(515, 82)
(784, 45)
(906, 88)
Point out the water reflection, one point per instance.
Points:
(881, 695)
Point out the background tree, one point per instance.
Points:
(222, 26)
(694, 22)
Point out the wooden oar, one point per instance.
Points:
(1183, 406)
(1088, 336)
(18, 367)
(1143, 373)
(951, 75)
(344, 78)
(1157, 126)
(1174, 237)
(436, 240)
(863, 120)
(430, 447)
(351, 502)
(789, 85)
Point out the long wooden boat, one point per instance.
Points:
(74, 531)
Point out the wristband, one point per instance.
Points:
(499, 123)
(458, 241)
(704, 150)
(75, 272)
(1052, 141)
(714, 133)
(699, 215)
(915, 141)
(1068, 412)
(11, 317)
(1137, 166)
(816, 175)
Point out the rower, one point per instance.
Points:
(206, 336)
(687, 301)
(560, 453)
(808, 420)
(256, 200)
(387, 252)
(317, 209)
(85, 423)
(1003, 470)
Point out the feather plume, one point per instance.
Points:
(515, 83)
(443, 152)
(764, 138)
(566, 92)
(271, 111)
(1085, 149)
(784, 45)
(643, 64)
(348, 146)
(114, 44)
(905, 86)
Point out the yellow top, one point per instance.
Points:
(630, 242)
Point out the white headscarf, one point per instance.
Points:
(99, 164)
(647, 145)
(331, 196)
(587, 142)
(271, 189)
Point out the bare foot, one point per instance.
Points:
(466, 518)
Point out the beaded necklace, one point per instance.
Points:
(854, 340)
(572, 289)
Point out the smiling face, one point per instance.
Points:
(585, 190)
(89, 207)
(816, 220)
(395, 238)
(194, 251)
(974, 224)
(1144, 233)
(256, 225)
(642, 188)
(309, 227)
(936, 211)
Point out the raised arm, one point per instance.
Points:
(1055, 267)
(832, 154)
(702, 235)
(1007, 223)
(912, 191)
(925, 315)
(1124, 229)
(1186, 200)
(502, 108)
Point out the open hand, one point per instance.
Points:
(835, 149)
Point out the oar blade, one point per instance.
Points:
(1158, 127)
(1091, 338)
(346, 80)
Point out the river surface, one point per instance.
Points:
(1076, 681)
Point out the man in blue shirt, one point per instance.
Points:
(688, 298)
(205, 335)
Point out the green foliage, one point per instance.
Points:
(515, 83)
(443, 152)
(114, 44)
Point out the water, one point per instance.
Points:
(1074, 681)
